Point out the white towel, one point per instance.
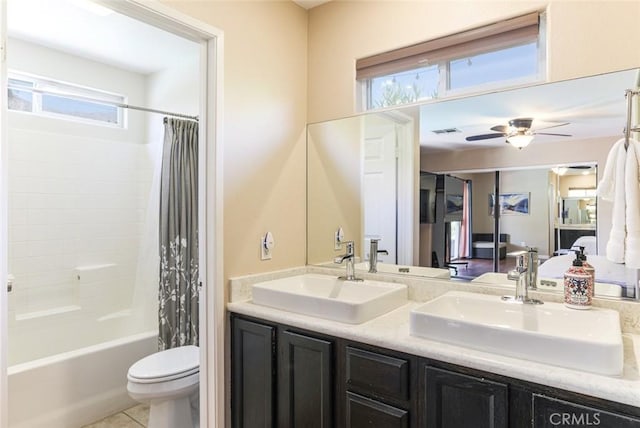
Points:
(632, 198)
(616, 243)
(621, 184)
(607, 183)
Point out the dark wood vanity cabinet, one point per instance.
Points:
(453, 400)
(305, 381)
(253, 374)
(552, 412)
(286, 377)
(281, 377)
(379, 387)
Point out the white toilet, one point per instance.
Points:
(168, 381)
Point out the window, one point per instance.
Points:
(46, 97)
(499, 55)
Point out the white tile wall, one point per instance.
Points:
(74, 202)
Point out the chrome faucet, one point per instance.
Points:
(526, 275)
(373, 255)
(531, 263)
(349, 257)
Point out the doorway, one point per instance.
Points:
(207, 41)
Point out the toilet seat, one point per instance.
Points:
(164, 366)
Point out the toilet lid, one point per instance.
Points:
(166, 365)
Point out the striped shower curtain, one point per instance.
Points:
(178, 299)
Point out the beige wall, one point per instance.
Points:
(265, 80)
(583, 38)
(285, 67)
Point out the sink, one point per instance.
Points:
(325, 296)
(548, 284)
(428, 272)
(551, 333)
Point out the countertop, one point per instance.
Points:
(391, 331)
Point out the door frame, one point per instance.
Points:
(212, 325)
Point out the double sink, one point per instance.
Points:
(550, 333)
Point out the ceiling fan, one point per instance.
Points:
(518, 132)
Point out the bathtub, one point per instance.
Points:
(74, 388)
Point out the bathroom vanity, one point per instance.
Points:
(294, 370)
(284, 376)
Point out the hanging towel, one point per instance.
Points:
(616, 243)
(621, 185)
(606, 185)
(632, 198)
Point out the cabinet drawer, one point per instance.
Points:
(363, 412)
(376, 373)
(552, 412)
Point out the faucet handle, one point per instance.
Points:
(350, 247)
(514, 275)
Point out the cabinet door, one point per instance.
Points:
(454, 400)
(552, 412)
(305, 381)
(363, 412)
(252, 367)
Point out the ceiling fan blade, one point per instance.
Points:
(557, 135)
(483, 137)
(500, 128)
(552, 126)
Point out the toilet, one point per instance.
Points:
(168, 381)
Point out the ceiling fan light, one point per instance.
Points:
(519, 140)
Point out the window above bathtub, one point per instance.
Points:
(61, 100)
(504, 54)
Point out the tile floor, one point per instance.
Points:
(134, 417)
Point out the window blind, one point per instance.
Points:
(510, 32)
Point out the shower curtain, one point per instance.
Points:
(178, 300)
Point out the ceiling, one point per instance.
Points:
(77, 28)
(593, 107)
(310, 4)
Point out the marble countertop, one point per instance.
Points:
(391, 331)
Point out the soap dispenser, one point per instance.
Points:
(578, 285)
(588, 267)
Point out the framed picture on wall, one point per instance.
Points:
(454, 204)
(511, 203)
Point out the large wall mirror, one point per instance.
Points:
(447, 196)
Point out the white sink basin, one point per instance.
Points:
(327, 297)
(551, 333)
(428, 272)
(548, 284)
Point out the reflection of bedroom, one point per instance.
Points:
(559, 201)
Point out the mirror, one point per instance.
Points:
(395, 175)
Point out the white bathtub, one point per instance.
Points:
(74, 388)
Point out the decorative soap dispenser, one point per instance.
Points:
(587, 266)
(578, 286)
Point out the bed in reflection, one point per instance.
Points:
(482, 245)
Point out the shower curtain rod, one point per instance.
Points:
(98, 101)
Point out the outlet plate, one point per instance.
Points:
(266, 246)
(338, 238)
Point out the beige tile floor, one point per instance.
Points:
(134, 417)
